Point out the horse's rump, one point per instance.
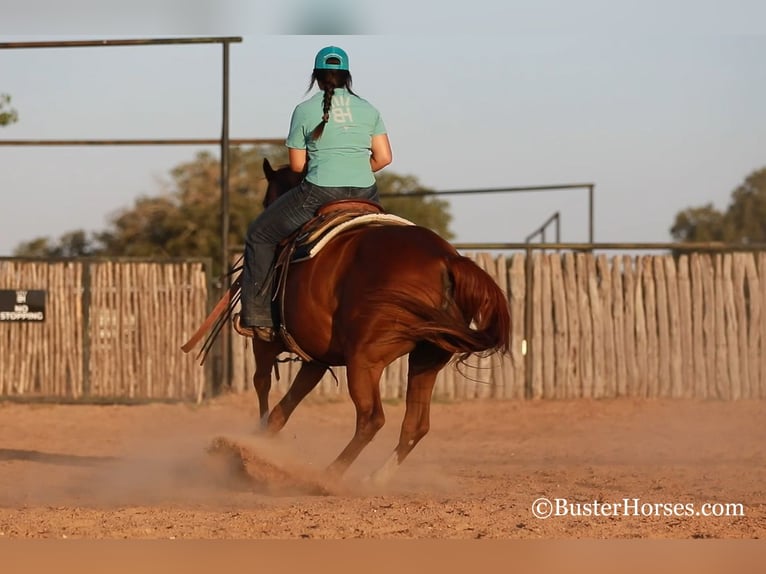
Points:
(468, 313)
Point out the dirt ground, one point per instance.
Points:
(145, 472)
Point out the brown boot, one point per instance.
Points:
(263, 333)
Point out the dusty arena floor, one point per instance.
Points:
(145, 472)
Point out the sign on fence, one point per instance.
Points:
(22, 305)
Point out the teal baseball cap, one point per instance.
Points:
(325, 55)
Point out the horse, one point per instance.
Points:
(371, 295)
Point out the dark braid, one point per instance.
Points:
(328, 80)
(329, 91)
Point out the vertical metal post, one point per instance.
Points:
(558, 227)
(225, 333)
(528, 309)
(590, 214)
(209, 366)
(86, 331)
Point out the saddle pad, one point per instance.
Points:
(311, 248)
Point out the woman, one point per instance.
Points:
(344, 141)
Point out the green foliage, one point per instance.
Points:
(744, 221)
(699, 224)
(72, 244)
(184, 221)
(421, 210)
(7, 115)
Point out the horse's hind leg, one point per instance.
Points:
(307, 378)
(425, 362)
(364, 388)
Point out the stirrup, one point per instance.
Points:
(263, 333)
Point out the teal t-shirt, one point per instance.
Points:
(341, 157)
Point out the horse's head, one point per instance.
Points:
(280, 181)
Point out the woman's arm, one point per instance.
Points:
(381, 152)
(297, 159)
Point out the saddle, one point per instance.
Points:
(330, 220)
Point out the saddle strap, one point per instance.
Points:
(221, 307)
(290, 343)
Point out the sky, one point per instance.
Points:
(660, 105)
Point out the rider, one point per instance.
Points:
(343, 140)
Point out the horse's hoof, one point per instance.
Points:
(382, 476)
(375, 480)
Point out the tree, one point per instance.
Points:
(699, 224)
(746, 216)
(422, 210)
(184, 220)
(744, 220)
(7, 114)
(72, 244)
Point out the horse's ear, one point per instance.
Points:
(268, 171)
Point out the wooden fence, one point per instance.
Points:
(598, 326)
(112, 329)
(584, 325)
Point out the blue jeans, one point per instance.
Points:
(277, 221)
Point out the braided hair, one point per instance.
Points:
(327, 81)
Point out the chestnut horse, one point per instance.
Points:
(372, 295)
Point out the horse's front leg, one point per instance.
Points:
(265, 355)
(307, 378)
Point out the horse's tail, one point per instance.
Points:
(472, 317)
(483, 306)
